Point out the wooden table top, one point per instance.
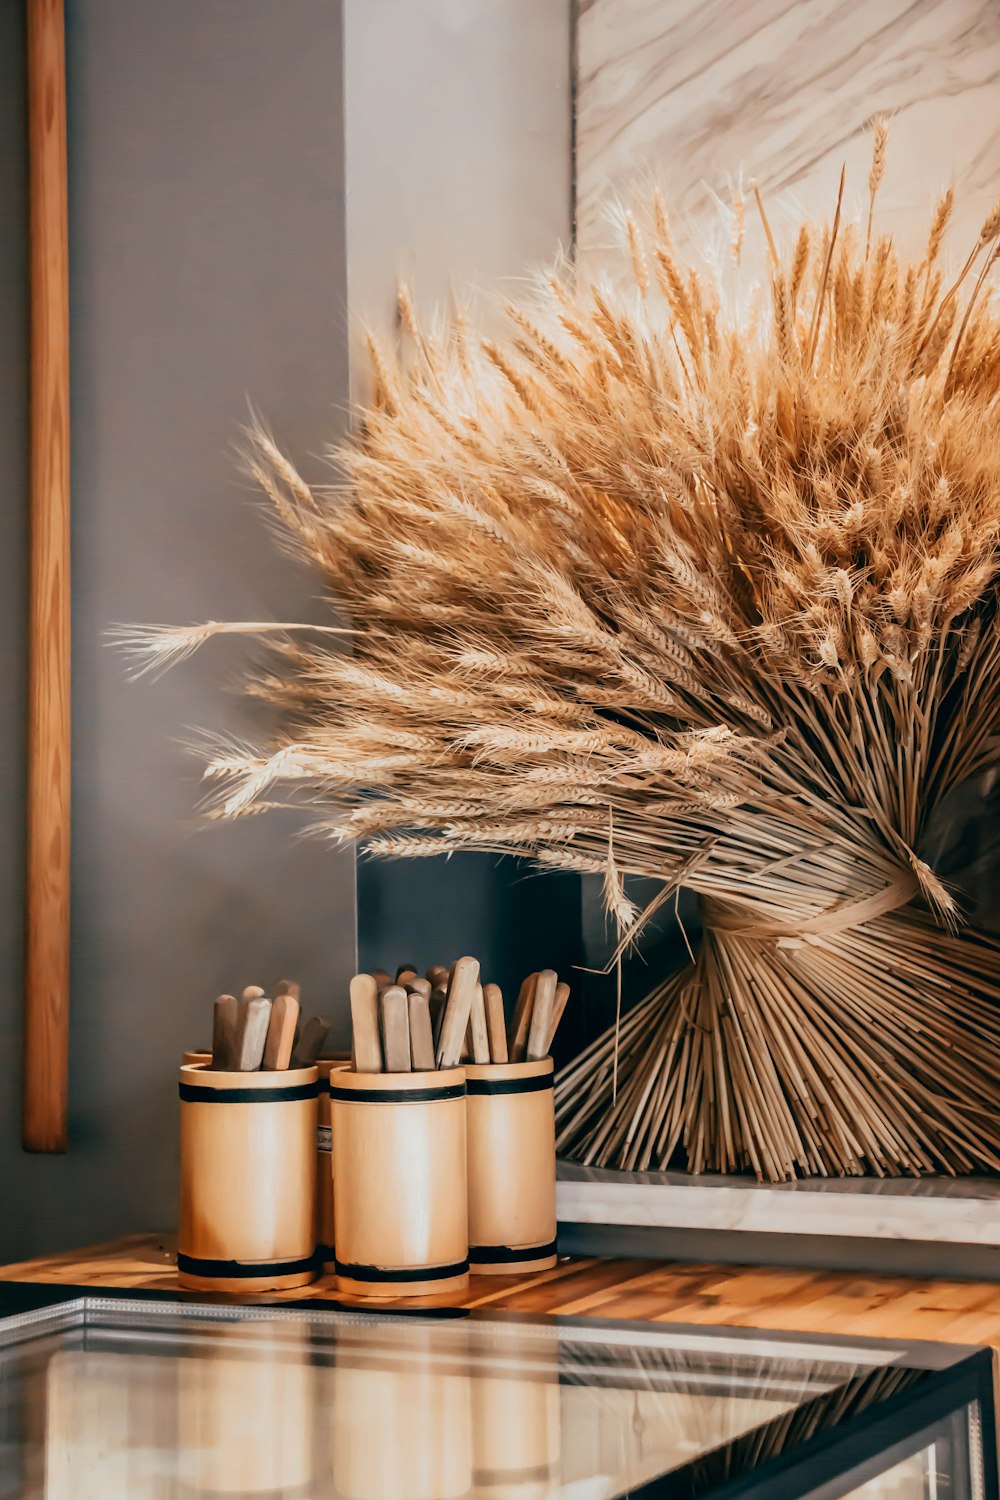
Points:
(961, 1312)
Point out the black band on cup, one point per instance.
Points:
(495, 1255)
(531, 1085)
(198, 1093)
(406, 1273)
(396, 1096)
(193, 1265)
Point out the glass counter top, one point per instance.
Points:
(135, 1399)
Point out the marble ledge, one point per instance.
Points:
(960, 1211)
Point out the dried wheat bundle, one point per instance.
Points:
(692, 582)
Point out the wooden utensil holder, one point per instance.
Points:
(324, 1161)
(399, 1183)
(193, 1057)
(248, 1179)
(512, 1167)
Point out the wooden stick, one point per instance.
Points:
(280, 1038)
(364, 1023)
(542, 1008)
(46, 983)
(495, 1022)
(395, 1018)
(558, 1007)
(461, 993)
(521, 1024)
(225, 1023)
(252, 1034)
(478, 1028)
(421, 1037)
(312, 1035)
(438, 1002)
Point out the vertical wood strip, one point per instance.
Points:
(46, 998)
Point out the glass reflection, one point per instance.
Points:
(136, 1403)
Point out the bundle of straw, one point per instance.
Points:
(685, 582)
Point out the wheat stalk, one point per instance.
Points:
(654, 588)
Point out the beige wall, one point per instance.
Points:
(695, 91)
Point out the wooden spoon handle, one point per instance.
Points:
(364, 1023)
(225, 1026)
(280, 1034)
(254, 1020)
(559, 1005)
(496, 1023)
(541, 1015)
(461, 993)
(421, 1036)
(477, 1025)
(521, 1024)
(395, 1013)
(312, 1035)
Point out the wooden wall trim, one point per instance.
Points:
(46, 997)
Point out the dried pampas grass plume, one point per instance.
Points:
(653, 588)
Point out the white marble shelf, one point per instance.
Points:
(941, 1210)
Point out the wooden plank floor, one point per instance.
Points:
(963, 1312)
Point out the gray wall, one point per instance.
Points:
(459, 168)
(207, 266)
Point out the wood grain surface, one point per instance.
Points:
(824, 1302)
(46, 994)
